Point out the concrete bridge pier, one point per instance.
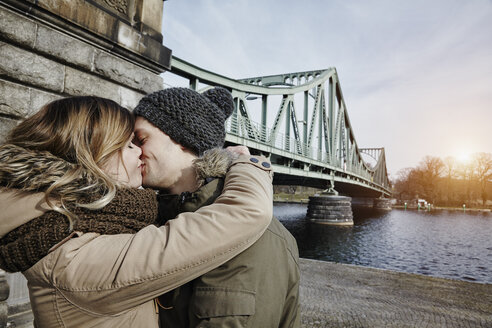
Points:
(330, 208)
(369, 204)
(382, 204)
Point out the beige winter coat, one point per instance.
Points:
(112, 280)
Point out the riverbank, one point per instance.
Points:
(443, 208)
(299, 199)
(290, 198)
(342, 295)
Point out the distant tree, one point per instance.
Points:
(450, 167)
(430, 170)
(482, 169)
(402, 186)
(465, 173)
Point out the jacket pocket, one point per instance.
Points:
(221, 306)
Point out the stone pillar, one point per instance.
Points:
(382, 204)
(57, 48)
(363, 202)
(4, 294)
(329, 208)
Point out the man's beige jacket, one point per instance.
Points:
(112, 280)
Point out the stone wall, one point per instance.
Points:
(57, 48)
(42, 62)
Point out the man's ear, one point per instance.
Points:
(187, 150)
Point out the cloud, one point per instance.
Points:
(415, 75)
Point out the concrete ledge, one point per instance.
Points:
(340, 295)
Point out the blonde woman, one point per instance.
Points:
(95, 258)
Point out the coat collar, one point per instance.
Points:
(172, 205)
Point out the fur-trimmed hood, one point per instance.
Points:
(25, 174)
(214, 163)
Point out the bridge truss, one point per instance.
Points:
(325, 154)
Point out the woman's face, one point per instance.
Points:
(126, 168)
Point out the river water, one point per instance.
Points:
(445, 244)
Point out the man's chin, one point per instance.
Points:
(149, 183)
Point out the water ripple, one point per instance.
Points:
(444, 244)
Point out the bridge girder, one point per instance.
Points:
(336, 156)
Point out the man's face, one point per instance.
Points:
(163, 159)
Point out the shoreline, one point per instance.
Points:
(441, 208)
(399, 207)
(286, 201)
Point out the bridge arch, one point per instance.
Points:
(297, 158)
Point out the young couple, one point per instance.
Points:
(98, 250)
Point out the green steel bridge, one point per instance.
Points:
(324, 154)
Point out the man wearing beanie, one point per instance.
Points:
(259, 287)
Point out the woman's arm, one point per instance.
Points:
(19, 207)
(129, 270)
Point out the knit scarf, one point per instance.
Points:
(129, 211)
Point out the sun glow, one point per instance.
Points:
(463, 157)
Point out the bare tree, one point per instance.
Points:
(431, 169)
(459, 181)
(465, 174)
(402, 185)
(450, 167)
(482, 168)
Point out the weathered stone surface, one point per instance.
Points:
(129, 98)
(79, 83)
(19, 101)
(82, 13)
(17, 28)
(142, 44)
(31, 68)
(128, 37)
(38, 99)
(3, 314)
(126, 73)
(65, 48)
(4, 286)
(6, 125)
(15, 99)
(116, 6)
(153, 49)
(149, 13)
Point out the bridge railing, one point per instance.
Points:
(244, 128)
(247, 129)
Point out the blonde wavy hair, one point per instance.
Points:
(85, 132)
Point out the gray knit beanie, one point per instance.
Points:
(194, 120)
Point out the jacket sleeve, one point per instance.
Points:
(19, 207)
(111, 274)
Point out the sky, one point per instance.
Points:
(416, 75)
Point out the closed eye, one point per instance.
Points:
(139, 141)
